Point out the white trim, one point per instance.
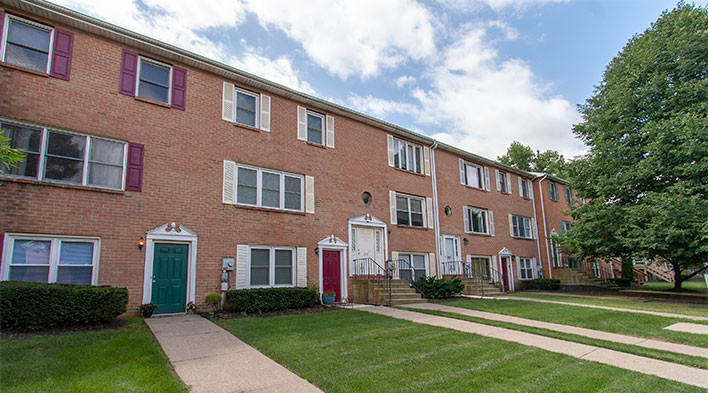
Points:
(423, 209)
(259, 188)
(480, 175)
(426, 260)
(533, 268)
(420, 165)
(271, 265)
(367, 221)
(31, 23)
(257, 109)
(159, 64)
(167, 233)
(54, 253)
(334, 243)
(530, 231)
(466, 209)
(323, 130)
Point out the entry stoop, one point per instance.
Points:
(367, 291)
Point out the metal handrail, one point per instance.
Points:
(400, 265)
(478, 273)
(370, 269)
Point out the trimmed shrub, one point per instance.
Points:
(434, 288)
(544, 284)
(622, 282)
(26, 306)
(270, 299)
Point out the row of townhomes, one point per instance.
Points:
(155, 169)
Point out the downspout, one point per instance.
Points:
(435, 206)
(535, 220)
(545, 231)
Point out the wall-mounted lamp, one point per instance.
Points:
(464, 240)
(389, 231)
(317, 250)
(141, 243)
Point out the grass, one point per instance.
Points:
(127, 359)
(685, 309)
(686, 286)
(693, 361)
(639, 325)
(355, 351)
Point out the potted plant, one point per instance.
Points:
(191, 307)
(147, 309)
(213, 301)
(328, 297)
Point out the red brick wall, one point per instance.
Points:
(553, 211)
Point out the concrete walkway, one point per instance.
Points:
(657, 313)
(211, 360)
(590, 333)
(667, 370)
(688, 328)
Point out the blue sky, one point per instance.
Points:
(477, 74)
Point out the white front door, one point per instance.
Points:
(367, 242)
(451, 258)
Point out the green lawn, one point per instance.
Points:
(639, 325)
(355, 351)
(688, 286)
(639, 304)
(127, 359)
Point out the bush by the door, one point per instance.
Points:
(270, 299)
(26, 306)
(434, 288)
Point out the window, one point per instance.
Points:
(50, 259)
(154, 80)
(67, 157)
(407, 156)
(477, 220)
(246, 107)
(27, 44)
(272, 266)
(553, 190)
(565, 226)
(569, 196)
(268, 188)
(315, 128)
(409, 210)
(524, 188)
(522, 227)
(481, 264)
(526, 269)
(503, 180)
(413, 268)
(473, 175)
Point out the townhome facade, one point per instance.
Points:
(151, 168)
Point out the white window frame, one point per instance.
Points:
(420, 164)
(307, 128)
(525, 189)
(470, 225)
(271, 266)
(519, 222)
(44, 145)
(169, 78)
(565, 226)
(423, 211)
(259, 187)
(524, 270)
(6, 29)
(504, 182)
(411, 254)
(257, 96)
(481, 176)
(553, 191)
(54, 253)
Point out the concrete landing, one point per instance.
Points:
(689, 328)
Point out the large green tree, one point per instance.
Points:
(523, 157)
(647, 129)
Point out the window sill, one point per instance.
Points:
(266, 209)
(474, 188)
(247, 127)
(60, 185)
(522, 238)
(409, 172)
(315, 145)
(411, 227)
(149, 101)
(478, 234)
(23, 69)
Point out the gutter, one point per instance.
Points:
(433, 176)
(545, 231)
(535, 221)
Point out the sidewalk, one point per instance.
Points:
(590, 333)
(211, 360)
(667, 370)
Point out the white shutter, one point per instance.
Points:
(432, 265)
(462, 171)
(426, 159)
(227, 195)
(396, 267)
(518, 267)
(389, 139)
(521, 187)
(496, 175)
(495, 273)
(508, 184)
(535, 229)
(491, 222)
(227, 104)
(330, 131)
(535, 268)
(486, 178)
(301, 123)
(241, 266)
(392, 206)
(265, 113)
(511, 225)
(309, 194)
(301, 267)
(465, 216)
(429, 206)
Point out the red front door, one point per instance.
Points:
(505, 274)
(331, 274)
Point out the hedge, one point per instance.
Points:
(270, 299)
(26, 306)
(546, 284)
(434, 288)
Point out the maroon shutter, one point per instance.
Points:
(128, 72)
(179, 87)
(61, 56)
(134, 173)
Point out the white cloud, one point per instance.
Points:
(353, 37)
(279, 70)
(497, 5)
(405, 80)
(379, 107)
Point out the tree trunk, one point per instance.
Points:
(677, 276)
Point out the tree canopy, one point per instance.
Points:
(524, 158)
(647, 129)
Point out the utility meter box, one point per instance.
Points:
(227, 264)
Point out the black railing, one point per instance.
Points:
(478, 272)
(408, 273)
(368, 268)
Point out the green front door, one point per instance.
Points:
(169, 277)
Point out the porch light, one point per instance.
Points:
(141, 243)
(317, 250)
